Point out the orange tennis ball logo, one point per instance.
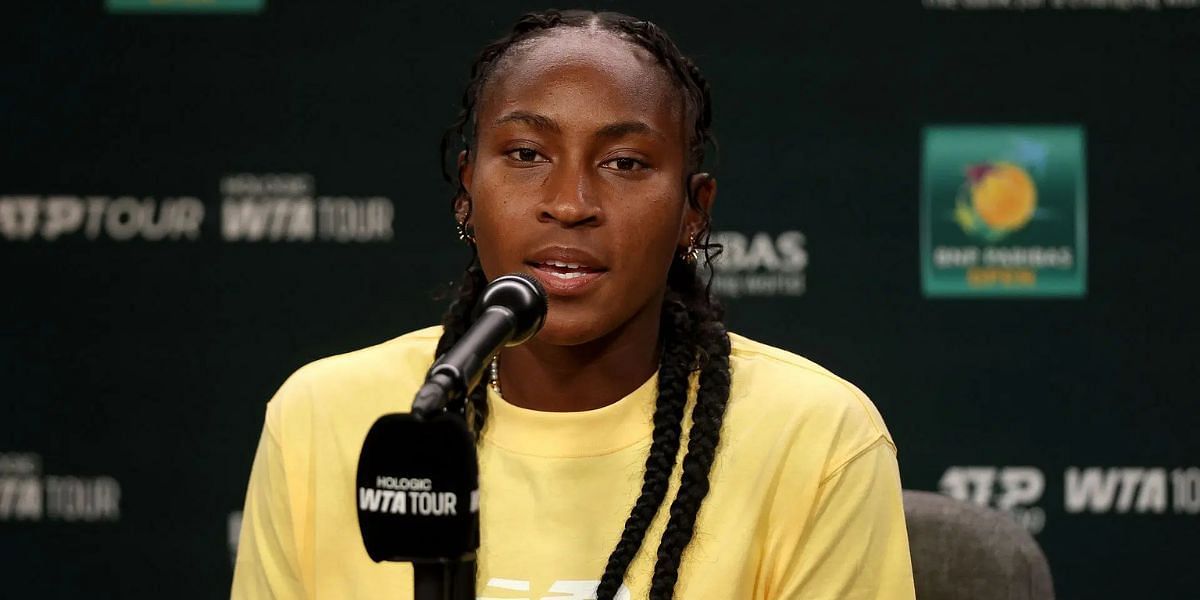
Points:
(997, 199)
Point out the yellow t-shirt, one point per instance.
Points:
(804, 503)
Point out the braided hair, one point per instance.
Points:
(692, 335)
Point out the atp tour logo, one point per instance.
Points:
(410, 496)
(28, 495)
(25, 218)
(1011, 489)
(760, 264)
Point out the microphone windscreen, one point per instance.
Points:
(524, 297)
(417, 489)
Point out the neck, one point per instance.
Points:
(541, 376)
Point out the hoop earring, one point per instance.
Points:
(464, 233)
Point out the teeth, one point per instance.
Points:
(567, 275)
(555, 263)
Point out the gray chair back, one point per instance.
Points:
(964, 551)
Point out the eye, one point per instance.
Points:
(625, 163)
(526, 155)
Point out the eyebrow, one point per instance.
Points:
(531, 119)
(624, 128)
(610, 131)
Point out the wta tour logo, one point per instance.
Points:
(1003, 212)
(29, 495)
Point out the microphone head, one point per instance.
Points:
(417, 489)
(524, 297)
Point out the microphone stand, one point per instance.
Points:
(443, 578)
(446, 579)
(515, 311)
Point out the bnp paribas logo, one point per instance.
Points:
(1004, 211)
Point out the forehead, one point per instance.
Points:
(584, 74)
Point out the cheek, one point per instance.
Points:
(649, 220)
(500, 195)
(491, 200)
(646, 239)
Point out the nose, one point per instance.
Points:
(570, 199)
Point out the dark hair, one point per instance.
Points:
(692, 335)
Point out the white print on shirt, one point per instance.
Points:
(563, 589)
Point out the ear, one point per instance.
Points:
(462, 204)
(466, 169)
(697, 213)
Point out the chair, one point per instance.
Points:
(965, 551)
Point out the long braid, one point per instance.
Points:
(692, 334)
(673, 376)
(708, 415)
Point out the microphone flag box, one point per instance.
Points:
(417, 490)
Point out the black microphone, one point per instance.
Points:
(417, 486)
(418, 489)
(511, 310)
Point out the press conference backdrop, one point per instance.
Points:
(981, 212)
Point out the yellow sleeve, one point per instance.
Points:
(854, 545)
(270, 563)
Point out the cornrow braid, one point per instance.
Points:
(697, 95)
(692, 335)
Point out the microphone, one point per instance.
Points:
(511, 310)
(417, 486)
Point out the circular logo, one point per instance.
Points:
(997, 198)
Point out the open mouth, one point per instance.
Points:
(564, 270)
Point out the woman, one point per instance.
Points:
(634, 448)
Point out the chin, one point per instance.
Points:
(569, 330)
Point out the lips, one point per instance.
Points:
(566, 271)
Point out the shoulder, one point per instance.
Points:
(382, 374)
(794, 400)
(413, 350)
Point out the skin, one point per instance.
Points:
(581, 144)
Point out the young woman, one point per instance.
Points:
(634, 448)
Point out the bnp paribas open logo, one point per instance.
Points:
(1004, 211)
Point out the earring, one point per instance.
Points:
(464, 234)
(691, 254)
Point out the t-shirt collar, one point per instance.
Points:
(572, 434)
